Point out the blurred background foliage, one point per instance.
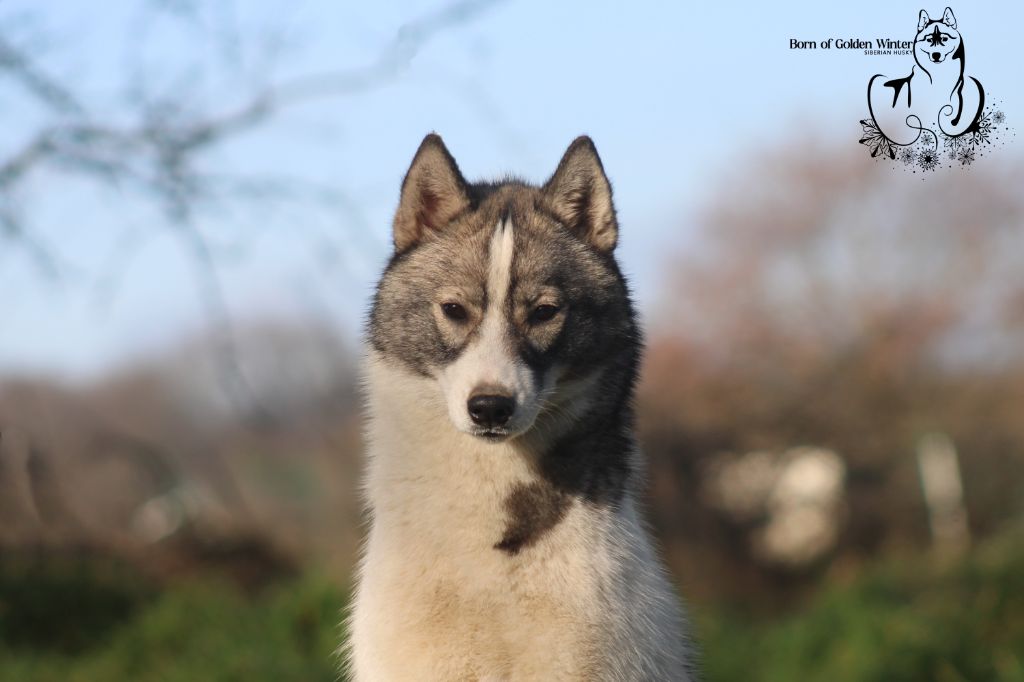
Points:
(904, 618)
(193, 512)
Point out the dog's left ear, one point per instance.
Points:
(922, 20)
(948, 19)
(581, 196)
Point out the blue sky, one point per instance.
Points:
(672, 93)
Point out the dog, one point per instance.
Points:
(936, 96)
(506, 540)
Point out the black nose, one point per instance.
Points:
(935, 56)
(491, 410)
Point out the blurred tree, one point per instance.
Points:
(155, 462)
(850, 307)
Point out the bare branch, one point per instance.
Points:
(391, 63)
(44, 88)
(42, 256)
(19, 163)
(157, 150)
(160, 150)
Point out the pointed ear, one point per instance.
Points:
(922, 20)
(433, 193)
(581, 196)
(948, 19)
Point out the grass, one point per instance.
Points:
(207, 630)
(904, 620)
(92, 621)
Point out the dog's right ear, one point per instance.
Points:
(923, 20)
(433, 193)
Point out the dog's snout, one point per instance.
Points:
(936, 56)
(491, 410)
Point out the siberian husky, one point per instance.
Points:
(937, 96)
(506, 541)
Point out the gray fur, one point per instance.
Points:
(599, 335)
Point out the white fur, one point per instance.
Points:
(437, 601)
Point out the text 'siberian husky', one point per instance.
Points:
(503, 472)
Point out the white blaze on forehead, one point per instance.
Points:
(500, 272)
(490, 362)
(491, 347)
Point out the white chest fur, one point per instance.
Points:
(437, 600)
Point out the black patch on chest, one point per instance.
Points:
(532, 509)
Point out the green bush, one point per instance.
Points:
(61, 606)
(907, 619)
(196, 631)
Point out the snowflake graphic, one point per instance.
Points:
(982, 132)
(925, 152)
(875, 140)
(952, 144)
(928, 159)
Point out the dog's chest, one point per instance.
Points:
(442, 568)
(474, 560)
(485, 525)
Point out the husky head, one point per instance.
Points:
(505, 295)
(936, 38)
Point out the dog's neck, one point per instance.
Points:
(582, 447)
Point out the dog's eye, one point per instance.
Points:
(543, 313)
(454, 312)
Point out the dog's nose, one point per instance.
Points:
(935, 56)
(491, 410)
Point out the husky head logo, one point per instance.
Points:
(506, 296)
(936, 39)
